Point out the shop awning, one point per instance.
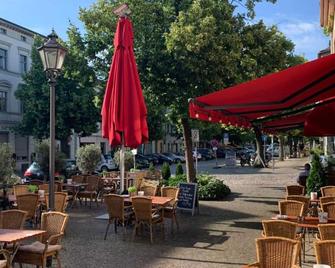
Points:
(250, 102)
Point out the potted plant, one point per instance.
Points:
(88, 158)
(33, 188)
(132, 190)
(316, 178)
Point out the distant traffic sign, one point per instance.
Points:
(195, 135)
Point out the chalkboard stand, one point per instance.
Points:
(188, 197)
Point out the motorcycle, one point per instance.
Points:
(268, 159)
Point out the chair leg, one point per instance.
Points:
(134, 231)
(175, 219)
(115, 225)
(107, 230)
(151, 238)
(58, 261)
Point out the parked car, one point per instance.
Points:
(196, 155)
(206, 153)
(33, 172)
(141, 161)
(71, 168)
(152, 159)
(175, 158)
(106, 164)
(163, 158)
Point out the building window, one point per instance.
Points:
(3, 59)
(23, 64)
(23, 38)
(3, 101)
(3, 31)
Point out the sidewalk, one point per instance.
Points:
(223, 235)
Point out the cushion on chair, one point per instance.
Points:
(38, 247)
(3, 263)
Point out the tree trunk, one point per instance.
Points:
(281, 148)
(259, 147)
(190, 170)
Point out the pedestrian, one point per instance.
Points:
(302, 178)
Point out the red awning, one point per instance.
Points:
(294, 87)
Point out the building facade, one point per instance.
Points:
(15, 59)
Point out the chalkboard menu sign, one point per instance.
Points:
(187, 196)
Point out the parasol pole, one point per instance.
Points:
(122, 163)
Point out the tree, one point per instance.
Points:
(6, 163)
(185, 49)
(88, 157)
(316, 178)
(75, 108)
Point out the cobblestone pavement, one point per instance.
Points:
(222, 235)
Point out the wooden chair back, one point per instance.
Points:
(330, 209)
(78, 178)
(300, 198)
(328, 191)
(326, 199)
(273, 252)
(143, 208)
(44, 187)
(12, 219)
(112, 174)
(115, 206)
(291, 208)
(279, 228)
(295, 190)
(54, 223)
(327, 231)
(28, 203)
(60, 201)
(36, 182)
(58, 186)
(149, 190)
(20, 189)
(92, 183)
(325, 252)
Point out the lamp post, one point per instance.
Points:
(52, 55)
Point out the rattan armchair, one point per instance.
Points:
(44, 187)
(149, 190)
(291, 208)
(295, 190)
(328, 191)
(170, 210)
(28, 203)
(326, 231)
(6, 262)
(117, 212)
(273, 252)
(60, 201)
(300, 198)
(325, 252)
(12, 219)
(91, 190)
(326, 199)
(20, 189)
(144, 215)
(329, 208)
(54, 224)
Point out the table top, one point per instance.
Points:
(156, 200)
(15, 235)
(308, 222)
(75, 184)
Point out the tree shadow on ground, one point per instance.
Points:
(267, 202)
(205, 261)
(256, 225)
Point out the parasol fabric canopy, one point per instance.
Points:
(244, 104)
(124, 111)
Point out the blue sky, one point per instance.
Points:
(297, 19)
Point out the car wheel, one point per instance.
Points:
(104, 169)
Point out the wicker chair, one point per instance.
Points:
(328, 191)
(170, 210)
(295, 190)
(291, 208)
(78, 178)
(330, 209)
(60, 201)
(44, 187)
(327, 231)
(325, 252)
(117, 211)
(6, 262)
(149, 190)
(273, 252)
(20, 189)
(300, 198)
(28, 203)
(54, 224)
(12, 219)
(144, 215)
(326, 199)
(91, 190)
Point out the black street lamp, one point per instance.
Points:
(52, 55)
